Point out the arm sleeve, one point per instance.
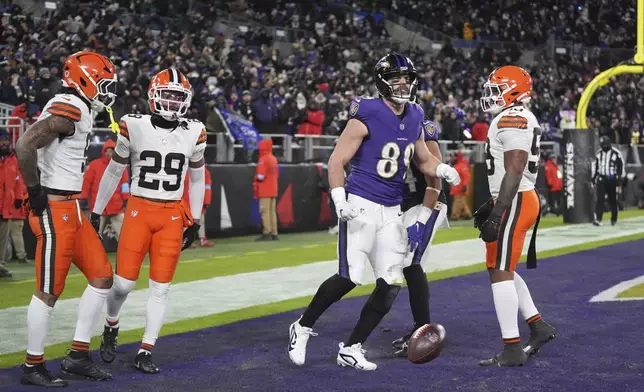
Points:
(123, 141)
(197, 190)
(109, 182)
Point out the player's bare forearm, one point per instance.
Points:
(347, 146)
(39, 135)
(515, 162)
(434, 184)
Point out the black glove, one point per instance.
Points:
(83, 204)
(95, 220)
(37, 199)
(190, 235)
(481, 215)
(18, 204)
(490, 229)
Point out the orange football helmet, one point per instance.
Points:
(170, 94)
(93, 76)
(506, 86)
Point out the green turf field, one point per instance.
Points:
(633, 292)
(240, 255)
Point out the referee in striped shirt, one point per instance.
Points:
(608, 171)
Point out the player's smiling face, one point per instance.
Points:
(400, 85)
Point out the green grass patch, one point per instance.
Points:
(125, 337)
(634, 292)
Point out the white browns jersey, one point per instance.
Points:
(159, 157)
(63, 161)
(515, 128)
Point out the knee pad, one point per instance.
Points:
(122, 286)
(159, 291)
(383, 296)
(336, 287)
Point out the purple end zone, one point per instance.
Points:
(598, 347)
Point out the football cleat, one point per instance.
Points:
(541, 333)
(353, 356)
(512, 355)
(143, 362)
(83, 368)
(39, 375)
(109, 341)
(298, 338)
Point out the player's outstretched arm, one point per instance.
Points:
(430, 165)
(434, 184)
(348, 143)
(39, 135)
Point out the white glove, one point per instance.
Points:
(448, 173)
(343, 208)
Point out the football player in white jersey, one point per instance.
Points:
(56, 144)
(160, 148)
(512, 155)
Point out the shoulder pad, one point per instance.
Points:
(67, 106)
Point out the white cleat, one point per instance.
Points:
(298, 338)
(354, 357)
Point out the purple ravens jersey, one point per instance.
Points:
(415, 183)
(379, 166)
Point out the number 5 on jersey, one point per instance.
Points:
(387, 166)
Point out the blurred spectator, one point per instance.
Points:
(312, 124)
(460, 206)
(265, 189)
(4, 223)
(554, 181)
(13, 215)
(114, 211)
(28, 112)
(479, 129)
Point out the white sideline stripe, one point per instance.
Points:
(611, 293)
(221, 294)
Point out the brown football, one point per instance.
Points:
(426, 343)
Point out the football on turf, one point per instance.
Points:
(426, 343)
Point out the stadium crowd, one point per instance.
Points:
(307, 91)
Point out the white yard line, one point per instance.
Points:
(221, 294)
(611, 293)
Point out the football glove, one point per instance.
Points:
(490, 230)
(95, 220)
(481, 215)
(448, 173)
(190, 235)
(343, 208)
(38, 201)
(415, 232)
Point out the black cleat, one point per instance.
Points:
(403, 341)
(512, 355)
(109, 342)
(402, 352)
(82, 368)
(541, 333)
(143, 363)
(39, 375)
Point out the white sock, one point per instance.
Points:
(89, 309)
(506, 303)
(38, 319)
(115, 299)
(526, 305)
(157, 304)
